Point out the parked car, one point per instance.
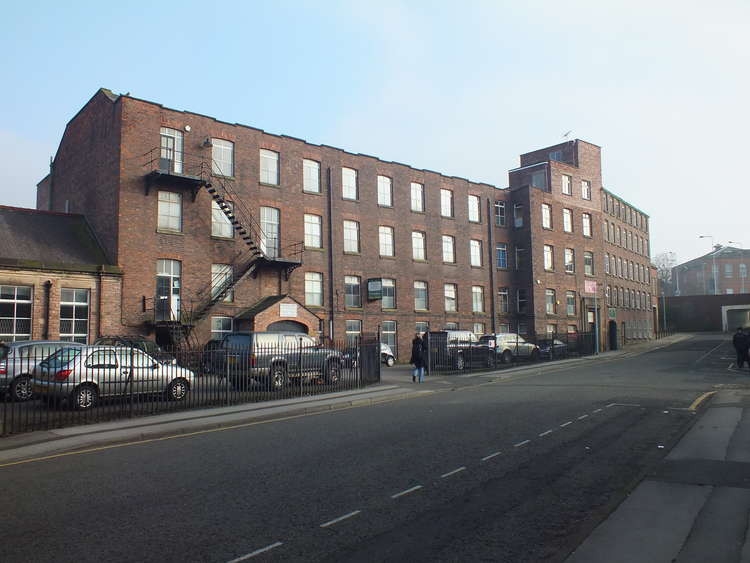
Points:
(457, 349)
(551, 348)
(509, 346)
(386, 355)
(142, 343)
(274, 358)
(84, 375)
(17, 363)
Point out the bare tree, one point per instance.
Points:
(664, 262)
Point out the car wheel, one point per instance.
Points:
(20, 389)
(332, 372)
(84, 397)
(460, 362)
(507, 357)
(389, 361)
(277, 378)
(178, 389)
(535, 355)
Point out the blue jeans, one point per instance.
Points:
(419, 374)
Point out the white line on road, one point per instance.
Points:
(709, 352)
(519, 444)
(257, 552)
(626, 405)
(545, 433)
(583, 416)
(564, 424)
(339, 519)
(444, 475)
(610, 405)
(597, 410)
(407, 491)
(485, 458)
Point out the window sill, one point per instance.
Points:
(269, 185)
(315, 307)
(314, 249)
(318, 193)
(390, 310)
(475, 222)
(449, 264)
(383, 206)
(419, 260)
(168, 232)
(351, 253)
(421, 310)
(225, 239)
(387, 257)
(223, 177)
(476, 267)
(354, 308)
(447, 217)
(354, 199)
(419, 212)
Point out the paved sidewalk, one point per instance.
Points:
(695, 506)
(395, 384)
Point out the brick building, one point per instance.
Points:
(227, 227)
(721, 271)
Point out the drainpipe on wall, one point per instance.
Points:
(100, 286)
(330, 255)
(47, 308)
(493, 292)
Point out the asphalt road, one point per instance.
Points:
(513, 469)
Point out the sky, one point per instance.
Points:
(458, 87)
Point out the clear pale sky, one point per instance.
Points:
(462, 88)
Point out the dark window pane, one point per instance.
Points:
(66, 311)
(23, 292)
(6, 310)
(23, 310)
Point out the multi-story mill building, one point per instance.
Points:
(721, 271)
(234, 228)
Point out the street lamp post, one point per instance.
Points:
(714, 271)
(739, 269)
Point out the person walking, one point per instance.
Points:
(417, 358)
(741, 343)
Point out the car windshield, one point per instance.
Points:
(61, 358)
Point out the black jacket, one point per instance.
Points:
(417, 353)
(740, 341)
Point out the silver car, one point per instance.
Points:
(510, 346)
(17, 363)
(84, 375)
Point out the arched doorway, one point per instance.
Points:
(287, 326)
(612, 335)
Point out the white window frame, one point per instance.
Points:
(449, 249)
(270, 235)
(221, 274)
(566, 184)
(570, 260)
(353, 300)
(550, 308)
(417, 197)
(500, 218)
(221, 226)
(549, 258)
(349, 185)
(475, 215)
(586, 224)
(269, 167)
(351, 237)
(169, 211)
(75, 335)
(314, 289)
(385, 239)
(475, 253)
(423, 286)
(477, 299)
(222, 157)
(385, 191)
(586, 189)
(450, 297)
(546, 216)
(310, 176)
(567, 220)
(218, 331)
(313, 230)
(418, 246)
(446, 203)
(388, 283)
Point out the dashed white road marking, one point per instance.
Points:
(519, 444)
(583, 416)
(610, 405)
(624, 405)
(564, 424)
(257, 552)
(339, 519)
(597, 410)
(407, 491)
(545, 433)
(444, 475)
(709, 352)
(485, 458)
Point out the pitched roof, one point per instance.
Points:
(45, 239)
(259, 306)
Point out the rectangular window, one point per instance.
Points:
(520, 258)
(451, 326)
(585, 189)
(522, 300)
(499, 213)
(74, 315)
(570, 302)
(310, 176)
(446, 203)
(728, 270)
(550, 302)
(313, 231)
(539, 179)
(742, 271)
(475, 252)
(417, 245)
(477, 299)
(349, 184)
(546, 216)
(170, 212)
(570, 260)
(567, 185)
(353, 331)
(549, 257)
(567, 220)
(451, 303)
(501, 250)
(606, 263)
(503, 303)
(222, 157)
(314, 289)
(385, 191)
(389, 293)
(421, 327)
(417, 197)
(388, 335)
(351, 236)
(170, 156)
(220, 224)
(478, 329)
(221, 279)
(220, 326)
(556, 155)
(269, 167)
(421, 301)
(269, 227)
(449, 249)
(352, 294)
(518, 215)
(551, 329)
(385, 236)
(588, 263)
(586, 221)
(474, 215)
